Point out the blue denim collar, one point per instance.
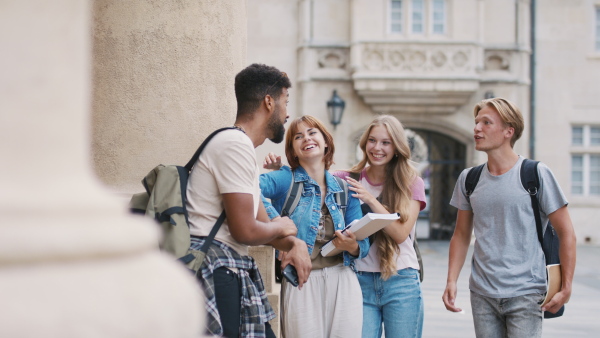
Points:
(333, 187)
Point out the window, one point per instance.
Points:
(577, 136)
(396, 16)
(577, 174)
(594, 174)
(585, 160)
(439, 17)
(598, 28)
(595, 136)
(417, 16)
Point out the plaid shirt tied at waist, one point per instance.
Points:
(255, 310)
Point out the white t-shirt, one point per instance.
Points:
(227, 165)
(407, 257)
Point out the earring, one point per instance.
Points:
(396, 155)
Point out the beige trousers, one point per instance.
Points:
(329, 305)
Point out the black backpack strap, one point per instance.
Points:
(289, 205)
(194, 158)
(213, 232)
(530, 180)
(354, 175)
(531, 183)
(472, 179)
(207, 242)
(293, 196)
(341, 198)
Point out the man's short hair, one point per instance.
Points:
(255, 82)
(509, 113)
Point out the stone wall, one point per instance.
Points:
(73, 262)
(163, 80)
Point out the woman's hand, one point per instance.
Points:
(272, 162)
(346, 241)
(360, 192)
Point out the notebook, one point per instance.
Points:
(362, 228)
(554, 281)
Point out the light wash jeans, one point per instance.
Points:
(396, 302)
(507, 317)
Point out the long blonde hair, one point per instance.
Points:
(396, 195)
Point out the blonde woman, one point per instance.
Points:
(389, 275)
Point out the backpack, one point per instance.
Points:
(165, 201)
(366, 209)
(295, 191)
(293, 198)
(531, 183)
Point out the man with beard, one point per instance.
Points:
(226, 176)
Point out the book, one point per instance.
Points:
(362, 228)
(554, 281)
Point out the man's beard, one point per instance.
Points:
(276, 128)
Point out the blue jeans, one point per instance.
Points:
(507, 317)
(396, 302)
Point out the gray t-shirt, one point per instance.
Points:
(507, 259)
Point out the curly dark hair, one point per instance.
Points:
(256, 81)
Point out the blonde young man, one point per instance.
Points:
(508, 277)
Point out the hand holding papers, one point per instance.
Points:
(362, 228)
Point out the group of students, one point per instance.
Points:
(374, 284)
(352, 294)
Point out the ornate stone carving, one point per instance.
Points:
(460, 59)
(332, 58)
(418, 58)
(374, 60)
(416, 77)
(497, 60)
(439, 59)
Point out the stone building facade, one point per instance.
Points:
(428, 62)
(101, 91)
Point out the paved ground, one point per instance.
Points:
(581, 317)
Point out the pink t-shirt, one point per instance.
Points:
(407, 257)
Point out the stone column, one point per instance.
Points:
(73, 263)
(163, 80)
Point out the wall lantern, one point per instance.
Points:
(335, 107)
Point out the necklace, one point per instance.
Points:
(240, 128)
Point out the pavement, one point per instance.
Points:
(581, 318)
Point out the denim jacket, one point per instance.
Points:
(274, 185)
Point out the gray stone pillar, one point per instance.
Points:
(73, 263)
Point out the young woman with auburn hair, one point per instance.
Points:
(330, 303)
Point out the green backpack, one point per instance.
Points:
(165, 201)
